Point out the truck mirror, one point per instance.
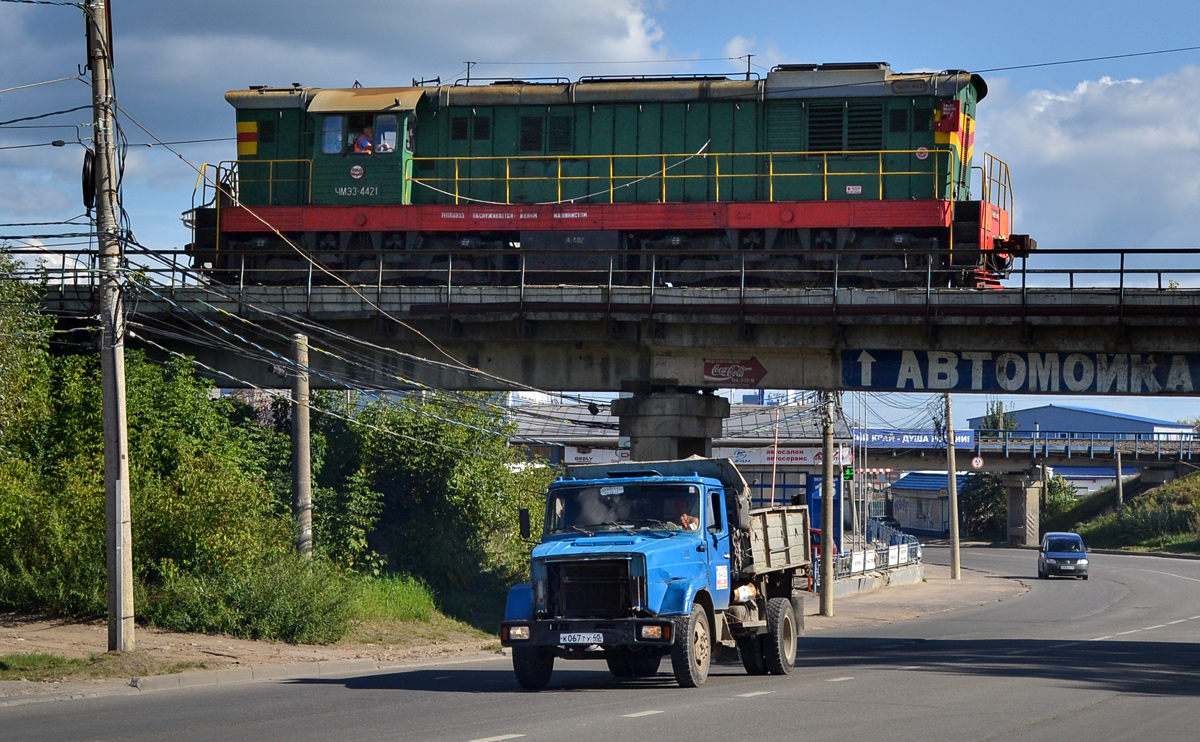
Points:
(741, 510)
(523, 519)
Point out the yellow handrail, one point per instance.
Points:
(928, 163)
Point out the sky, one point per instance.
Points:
(1103, 153)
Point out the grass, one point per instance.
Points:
(399, 610)
(48, 667)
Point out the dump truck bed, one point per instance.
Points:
(778, 539)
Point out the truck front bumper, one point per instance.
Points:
(583, 633)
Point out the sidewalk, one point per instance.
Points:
(937, 594)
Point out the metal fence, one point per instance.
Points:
(885, 549)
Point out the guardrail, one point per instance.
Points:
(886, 549)
(1160, 269)
(1071, 444)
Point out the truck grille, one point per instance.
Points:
(591, 589)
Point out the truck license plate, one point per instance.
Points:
(1068, 566)
(596, 638)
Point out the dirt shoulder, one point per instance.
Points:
(160, 652)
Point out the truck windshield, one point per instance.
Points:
(624, 507)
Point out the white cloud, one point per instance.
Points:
(1110, 163)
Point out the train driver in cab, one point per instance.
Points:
(362, 145)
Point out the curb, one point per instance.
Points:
(1116, 552)
(238, 675)
(321, 668)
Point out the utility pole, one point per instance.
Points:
(827, 525)
(1120, 489)
(301, 448)
(952, 489)
(118, 536)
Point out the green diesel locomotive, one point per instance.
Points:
(814, 174)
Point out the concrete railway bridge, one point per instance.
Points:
(672, 346)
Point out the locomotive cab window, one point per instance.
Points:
(331, 135)
(385, 133)
(360, 134)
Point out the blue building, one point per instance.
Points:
(921, 502)
(1058, 421)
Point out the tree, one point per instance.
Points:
(997, 419)
(1060, 497)
(983, 505)
(24, 336)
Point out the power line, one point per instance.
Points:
(1081, 60)
(319, 410)
(38, 84)
(44, 115)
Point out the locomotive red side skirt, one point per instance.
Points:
(571, 217)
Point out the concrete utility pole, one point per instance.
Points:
(301, 448)
(118, 536)
(952, 489)
(827, 525)
(1120, 489)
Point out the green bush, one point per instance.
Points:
(395, 598)
(287, 599)
(1147, 523)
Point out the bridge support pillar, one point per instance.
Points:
(670, 425)
(1024, 511)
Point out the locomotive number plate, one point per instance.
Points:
(596, 638)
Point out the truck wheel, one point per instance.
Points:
(691, 650)
(644, 664)
(533, 666)
(618, 663)
(779, 643)
(751, 650)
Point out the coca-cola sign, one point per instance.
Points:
(734, 372)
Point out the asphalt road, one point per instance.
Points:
(1116, 657)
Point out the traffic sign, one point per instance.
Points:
(977, 463)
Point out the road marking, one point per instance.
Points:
(1169, 574)
(1131, 631)
(909, 667)
(755, 693)
(641, 713)
(1102, 638)
(501, 738)
(1064, 645)
(1182, 620)
(839, 680)
(1151, 628)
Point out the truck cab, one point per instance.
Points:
(641, 561)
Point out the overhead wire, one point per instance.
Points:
(310, 406)
(39, 84)
(319, 266)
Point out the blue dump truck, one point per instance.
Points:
(644, 560)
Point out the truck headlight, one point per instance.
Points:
(517, 633)
(1051, 561)
(655, 632)
(1083, 561)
